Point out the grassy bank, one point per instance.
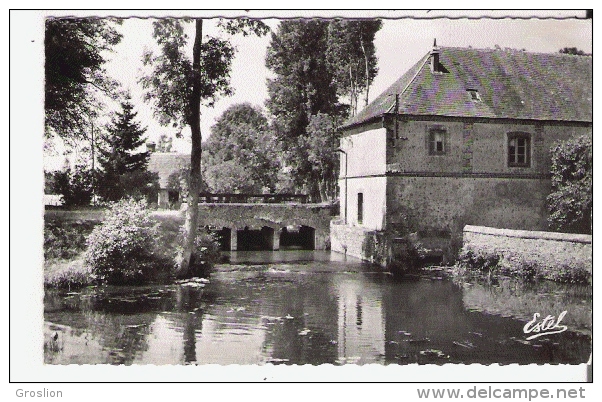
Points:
(493, 262)
(66, 233)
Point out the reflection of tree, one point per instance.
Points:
(119, 319)
(187, 299)
(122, 336)
(312, 304)
(521, 299)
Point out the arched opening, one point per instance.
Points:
(224, 236)
(255, 239)
(297, 238)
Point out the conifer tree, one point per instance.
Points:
(119, 153)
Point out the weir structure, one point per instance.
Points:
(268, 226)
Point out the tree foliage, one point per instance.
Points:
(303, 86)
(573, 51)
(178, 84)
(74, 73)
(169, 87)
(75, 185)
(351, 57)
(165, 143)
(123, 164)
(570, 203)
(312, 61)
(241, 154)
(322, 142)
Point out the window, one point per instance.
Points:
(519, 150)
(360, 207)
(474, 95)
(437, 141)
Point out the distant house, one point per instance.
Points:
(53, 200)
(166, 164)
(463, 137)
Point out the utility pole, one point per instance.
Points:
(93, 157)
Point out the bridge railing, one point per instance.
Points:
(227, 198)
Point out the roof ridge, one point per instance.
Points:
(513, 50)
(418, 70)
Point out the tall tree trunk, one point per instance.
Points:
(192, 213)
(322, 189)
(367, 71)
(352, 94)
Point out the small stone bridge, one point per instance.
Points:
(268, 226)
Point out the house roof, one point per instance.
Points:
(166, 163)
(510, 83)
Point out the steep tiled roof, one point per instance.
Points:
(510, 83)
(165, 164)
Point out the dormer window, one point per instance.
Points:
(474, 95)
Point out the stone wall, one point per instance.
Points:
(546, 248)
(474, 146)
(437, 208)
(365, 244)
(434, 196)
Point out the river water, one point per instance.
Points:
(310, 307)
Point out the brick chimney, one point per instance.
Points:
(150, 146)
(435, 66)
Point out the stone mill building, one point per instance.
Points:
(462, 138)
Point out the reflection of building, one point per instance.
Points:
(361, 322)
(461, 138)
(168, 166)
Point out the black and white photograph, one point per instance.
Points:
(267, 189)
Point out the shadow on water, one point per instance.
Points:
(305, 309)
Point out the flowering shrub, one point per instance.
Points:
(122, 249)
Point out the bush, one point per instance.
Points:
(570, 203)
(122, 249)
(493, 262)
(139, 184)
(74, 185)
(516, 266)
(65, 240)
(477, 260)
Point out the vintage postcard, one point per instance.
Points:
(383, 194)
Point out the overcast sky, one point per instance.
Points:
(399, 44)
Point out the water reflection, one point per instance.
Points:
(305, 312)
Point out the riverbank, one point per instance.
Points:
(516, 297)
(558, 257)
(65, 236)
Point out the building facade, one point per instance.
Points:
(168, 166)
(463, 138)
